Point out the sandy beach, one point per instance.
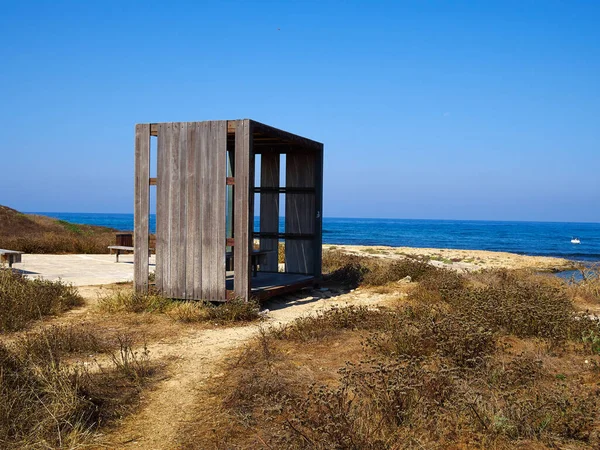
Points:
(463, 260)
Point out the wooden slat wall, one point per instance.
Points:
(142, 206)
(190, 253)
(193, 255)
(269, 208)
(163, 186)
(243, 223)
(212, 201)
(300, 212)
(318, 241)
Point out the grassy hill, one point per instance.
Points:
(39, 234)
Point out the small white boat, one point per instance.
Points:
(575, 241)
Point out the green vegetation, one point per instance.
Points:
(23, 300)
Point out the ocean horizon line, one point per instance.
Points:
(355, 218)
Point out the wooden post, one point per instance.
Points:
(318, 242)
(300, 212)
(269, 208)
(141, 206)
(243, 223)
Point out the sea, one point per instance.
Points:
(526, 238)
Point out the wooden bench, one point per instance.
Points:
(118, 249)
(257, 258)
(128, 237)
(10, 256)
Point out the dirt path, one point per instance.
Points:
(198, 355)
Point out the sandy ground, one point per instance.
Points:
(79, 270)
(464, 260)
(85, 270)
(197, 357)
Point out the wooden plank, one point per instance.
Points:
(200, 149)
(163, 168)
(230, 181)
(174, 226)
(181, 249)
(244, 177)
(142, 206)
(300, 212)
(212, 195)
(260, 130)
(269, 208)
(192, 210)
(285, 190)
(219, 190)
(293, 236)
(318, 230)
(152, 182)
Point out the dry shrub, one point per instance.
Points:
(188, 312)
(354, 270)
(235, 310)
(51, 343)
(57, 243)
(588, 287)
(47, 403)
(134, 365)
(366, 410)
(23, 300)
(432, 373)
(519, 304)
(39, 234)
(327, 323)
(135, 302)
(41, 406)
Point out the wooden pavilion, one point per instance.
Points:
(205, 207)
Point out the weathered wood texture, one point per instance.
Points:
(318, 240)
(190, 228)
(243, 222)
(300, 212)
(204, 198)
(141, 207)
(269, 209)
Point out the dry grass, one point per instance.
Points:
(46, 402)
(23, 300)
(235, 310)
(587, 289)
(354, 270)
(495, 360)
(40, 234)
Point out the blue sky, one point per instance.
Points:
(428, 109)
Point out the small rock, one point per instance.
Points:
(406, 279)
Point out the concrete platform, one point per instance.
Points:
(79, 270)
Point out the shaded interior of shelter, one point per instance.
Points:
(285, 183)
(269, 284)
(282, 176)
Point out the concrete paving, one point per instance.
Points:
(79, 270)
